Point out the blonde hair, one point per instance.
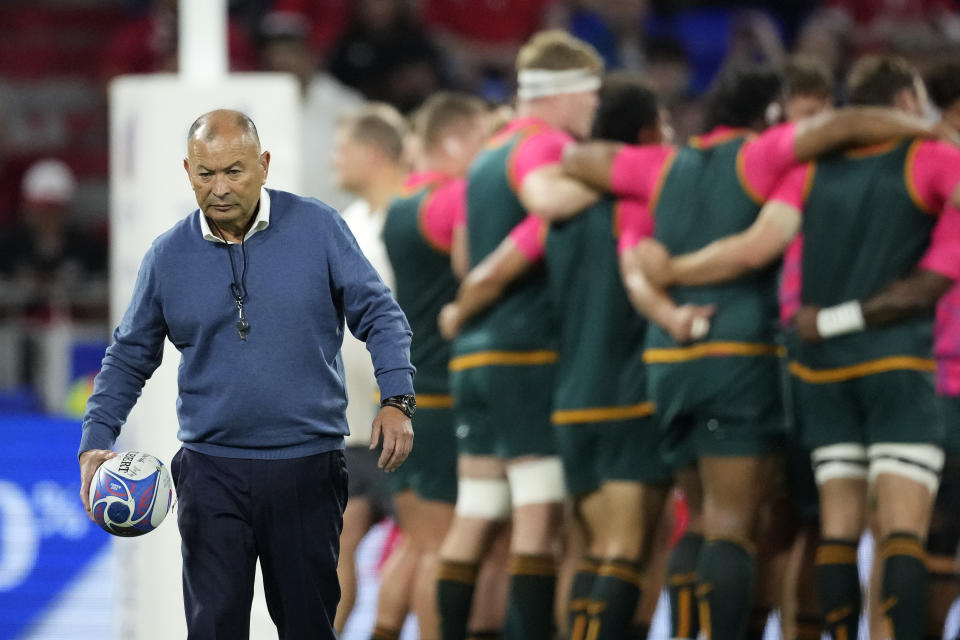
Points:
(379, 125)
(557, 50)
(442, 113)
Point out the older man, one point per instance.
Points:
(253, 289)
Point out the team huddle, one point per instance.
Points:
(763, 317)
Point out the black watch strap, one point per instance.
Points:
(406, 403)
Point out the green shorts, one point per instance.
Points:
(742, 417)
(893, 406)
(431, 469)
(597, 452)
(950, 409)
(504, 410)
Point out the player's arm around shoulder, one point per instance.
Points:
(592, 163)
(541, 185)
(857, 125)
(551, 194)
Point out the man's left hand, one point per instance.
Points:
(805, 323)
(397, 431)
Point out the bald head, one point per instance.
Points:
(223, 123)
(226, 169)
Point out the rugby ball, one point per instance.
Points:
(130, 494)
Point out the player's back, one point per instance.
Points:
(601, 335)
(864, 228)
(424, 283)
(521, 319)
(704, 198)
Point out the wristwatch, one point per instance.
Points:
(406, 403)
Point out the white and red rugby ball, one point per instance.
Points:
(130, 494)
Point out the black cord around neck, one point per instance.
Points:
(238, 289)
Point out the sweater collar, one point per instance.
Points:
(261, 222)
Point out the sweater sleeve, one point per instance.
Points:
(372, 313)
(135, 354)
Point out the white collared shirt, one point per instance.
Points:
(261, 222)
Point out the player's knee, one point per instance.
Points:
(537, 481)
(841, 473)
(622, 520)
(844, 461)
(729, 523)
(483, 498)
(920, 463)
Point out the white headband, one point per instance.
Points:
(539, 83)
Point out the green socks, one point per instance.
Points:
(725, 588)
(533, 581)
(580, 592)
(455, 585)
(614, 600)
(904, 596)
(681, 582)
(838, 584)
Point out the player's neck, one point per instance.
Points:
(383, 188)
(440, 163)
(541, 110)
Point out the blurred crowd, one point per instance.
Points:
(53, 105)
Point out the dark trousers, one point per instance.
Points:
(287, 513)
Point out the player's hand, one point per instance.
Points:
(90, 461)
(655, 262)
(449, 321)
(805, 323)
(691, 322)
(397, 432)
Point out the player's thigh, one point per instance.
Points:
(433, 468)
(522, 412)
(748, 421)
(577, 445)
(901, 406)
(905, 432)
(632, 451)
(734, 488)
(827, 413)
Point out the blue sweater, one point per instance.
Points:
(280, 393)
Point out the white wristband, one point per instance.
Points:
(840, 319)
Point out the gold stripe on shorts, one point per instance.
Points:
(602, 414)
(881, 365)
(504, 358)
(711, 350)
